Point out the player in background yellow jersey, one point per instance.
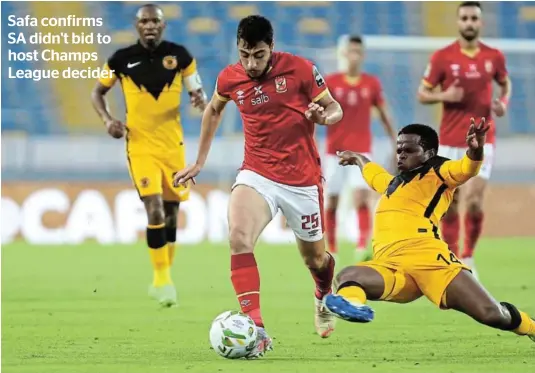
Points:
(409, 257)
(152, 73)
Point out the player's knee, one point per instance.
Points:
(156, 216)
(332, 203)
(171, 213)
(315, 260)
(240, 241)
(474, 205)
(491, 315)
(171, 218)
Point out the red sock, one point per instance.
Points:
(324, 278)
(246, 281)
(473, 225)
(363, 214)
(331, 230)
(450, 232)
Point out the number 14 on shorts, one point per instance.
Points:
(453, 259)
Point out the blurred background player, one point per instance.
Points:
(410, 259)
(465, 70)
(152, 72)
(358, 93)
(280, 96)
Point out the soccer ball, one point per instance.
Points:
(233, 335)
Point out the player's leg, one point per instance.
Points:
(467, 295)
(335, 178)
(474, 196)
(361, 197)
(172, 197)
(251, 208)
(450, 223)
(248, 215)
(320, 263)
(157, 239)
(371, 280)
(331, 223)
(146, 175)
(447, 282)
(171, 217)
(303, 209)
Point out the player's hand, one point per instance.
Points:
(477, 133)
(116, 128)
(348, 158)
(498, 108)
(198, 99)
(453, 93)
(316, 113)
(182, 177)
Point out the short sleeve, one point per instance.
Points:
(222, 89)
(110, 77)
(186, 62)
(434, 72)
(313, 82)
(378, 98)
(501, 70)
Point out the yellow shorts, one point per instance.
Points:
(154, 175)
(415, 267)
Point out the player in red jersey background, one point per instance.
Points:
(280, 98)
(358, 93)
(465, 70)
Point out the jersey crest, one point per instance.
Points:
(318, 78)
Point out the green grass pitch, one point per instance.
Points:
(85, 309)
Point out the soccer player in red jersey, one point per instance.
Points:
(465, 70)
(280, 98)
(358, 93)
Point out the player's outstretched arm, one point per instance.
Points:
(115, 128)
(458, 172)
(376, 176)
(210, 121)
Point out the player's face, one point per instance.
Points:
(150, 25)
(469, 22)
(354, 55)
(255, 59)
(410, 153)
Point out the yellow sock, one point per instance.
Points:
(353, 294)
(171, 246)
(159, 254)
(527, 325)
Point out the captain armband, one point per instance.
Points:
(193, 82)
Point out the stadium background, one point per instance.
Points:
(66, 181)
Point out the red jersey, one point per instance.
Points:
(475, 74)
(279, 139)
(357, 99)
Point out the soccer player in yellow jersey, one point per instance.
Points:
(152, 73)
(409, 258)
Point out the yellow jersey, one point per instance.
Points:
(151, 81)
(413, 202)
